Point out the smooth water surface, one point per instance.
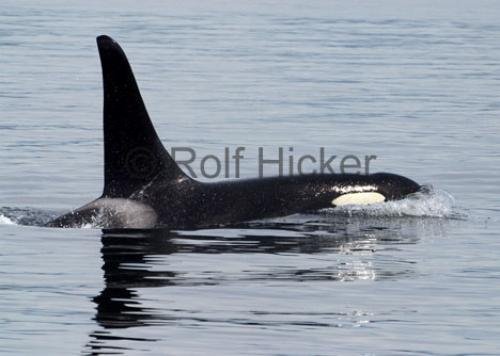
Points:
(416, 84)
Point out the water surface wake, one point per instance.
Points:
(25, 216)
(428, 202)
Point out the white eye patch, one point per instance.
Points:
(362, 198)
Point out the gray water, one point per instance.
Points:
(415, 84)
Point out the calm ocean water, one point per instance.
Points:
(418, 85)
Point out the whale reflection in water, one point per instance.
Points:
(309, 249)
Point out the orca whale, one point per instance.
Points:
(145, 188)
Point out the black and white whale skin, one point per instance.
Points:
(145, 188)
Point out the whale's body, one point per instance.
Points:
(145, 188)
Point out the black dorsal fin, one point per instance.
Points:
(133, 152)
